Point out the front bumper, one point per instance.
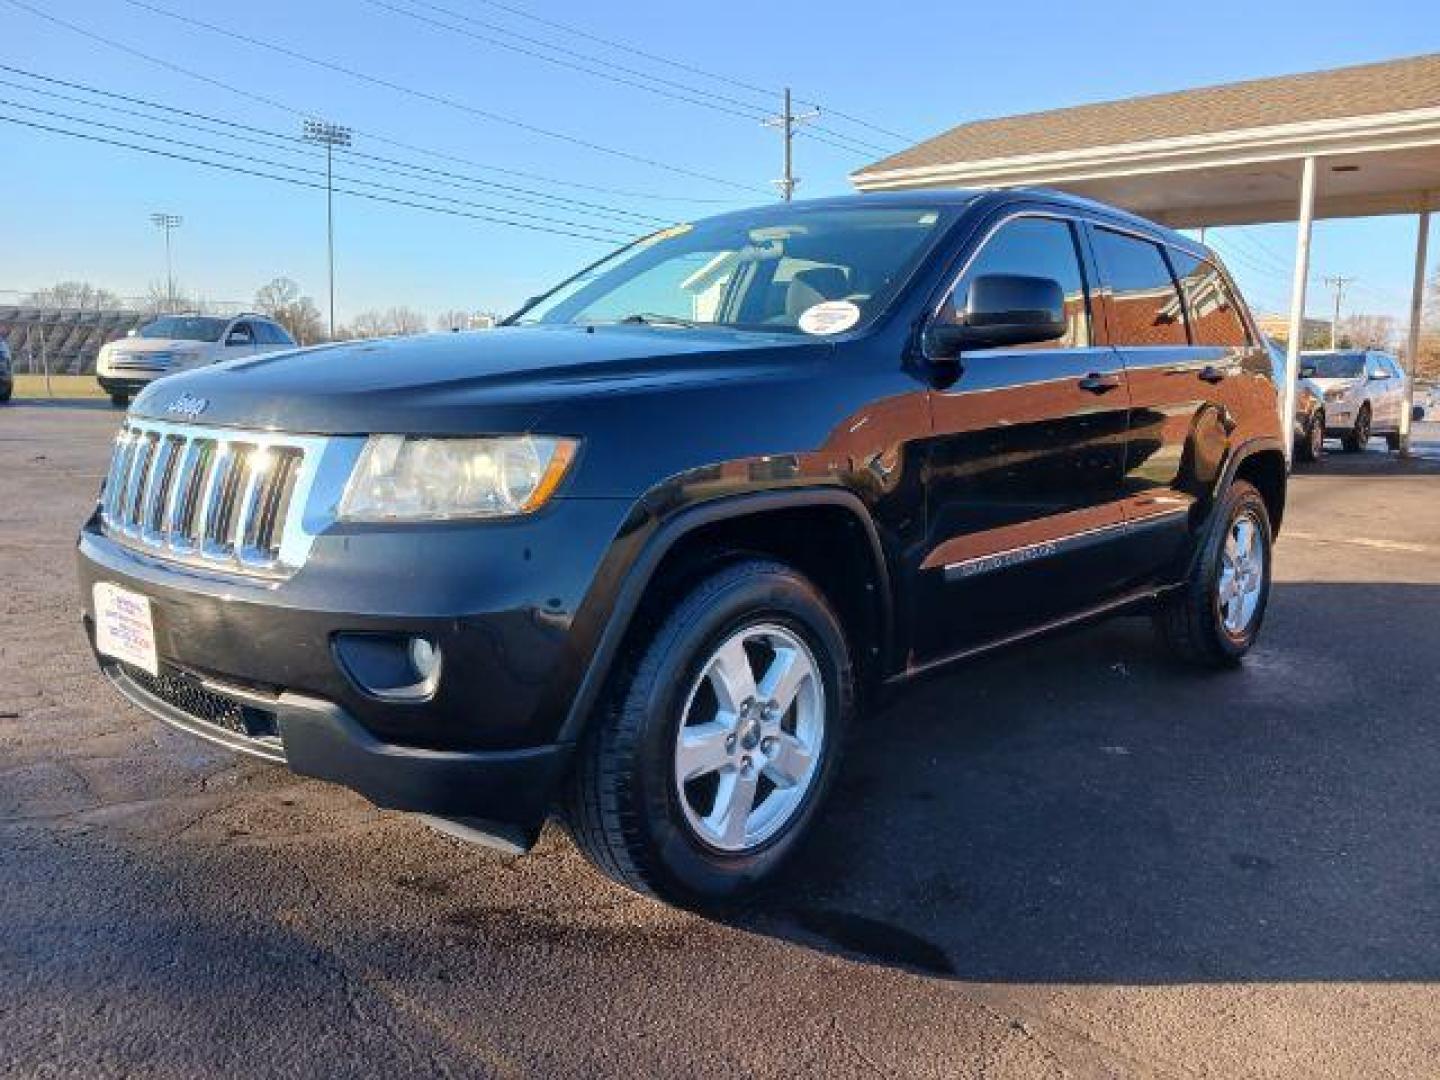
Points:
(504, 793)
(116, 384)
(258, 666)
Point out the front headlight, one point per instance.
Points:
(404, 478)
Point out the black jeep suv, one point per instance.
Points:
(643, 554)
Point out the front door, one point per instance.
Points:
(1023, 476)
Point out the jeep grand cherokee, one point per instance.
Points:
(645, 553)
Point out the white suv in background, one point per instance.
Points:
(180, 342)
(1364, 395)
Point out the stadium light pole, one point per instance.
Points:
(168, 222)
(329, 136)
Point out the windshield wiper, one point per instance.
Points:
(647, 318)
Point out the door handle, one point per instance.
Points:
(1211, 374)
(1097, 383)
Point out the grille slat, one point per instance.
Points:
(217, 498)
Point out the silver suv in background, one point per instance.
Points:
(1365, 393)
(181, 342)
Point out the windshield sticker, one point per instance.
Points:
(830, 317)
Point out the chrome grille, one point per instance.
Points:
(228, 500)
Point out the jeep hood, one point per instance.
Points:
(484, 381)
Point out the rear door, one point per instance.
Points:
(1023, 477)
(1184, 381)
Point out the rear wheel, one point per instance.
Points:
(720, 740)
(1355, 439)
(1214, 619)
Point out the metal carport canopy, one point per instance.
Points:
(1352, 142)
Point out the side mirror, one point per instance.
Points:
(1417, 413)
(1001, 309)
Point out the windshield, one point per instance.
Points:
(817, 271)
(1335, 366)
(185, 328)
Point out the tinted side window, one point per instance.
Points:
(1039, 247)
(1144, 305)
(276, 334)
(1214, 319)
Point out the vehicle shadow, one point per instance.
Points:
(1082, 810)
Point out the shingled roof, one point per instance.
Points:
(1364, 90)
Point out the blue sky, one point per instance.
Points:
(79, 210)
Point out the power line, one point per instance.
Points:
(721, 103)
(290, 144)
(433, 98)
(604, 232)
(679, 65)
(315, 185)
(373, 136)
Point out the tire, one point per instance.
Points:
(1392, 441)
(1193, 622)
(1311, 446)
(5, 394)
(1357, 437)
(119, 399)
(628, 811)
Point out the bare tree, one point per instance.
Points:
(455, 319)
(281, 299)
(159, 301)
(404, 320)
(366, 324)
(1361, 331)
(74, 294)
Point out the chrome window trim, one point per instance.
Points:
(1074, 220)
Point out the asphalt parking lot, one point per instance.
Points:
(1073, 859)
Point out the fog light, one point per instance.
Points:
(395, 667)
(425, 658)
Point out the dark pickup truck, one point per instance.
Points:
(645, 554)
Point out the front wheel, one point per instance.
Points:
(1312, 442)
(720, 739)
(1214, 618)
(1355, 439)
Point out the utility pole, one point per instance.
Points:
(329, 136)
(168, 222)
(1339, 284)
(787, 122)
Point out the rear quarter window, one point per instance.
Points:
(1210, 304)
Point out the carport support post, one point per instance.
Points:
(1412, 344)
(1297, 305)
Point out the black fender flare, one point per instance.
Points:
(667, 533)
(1238, 456)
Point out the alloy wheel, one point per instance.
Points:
(748, 746)
(1242, 574)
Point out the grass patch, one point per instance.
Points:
(61, 386)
